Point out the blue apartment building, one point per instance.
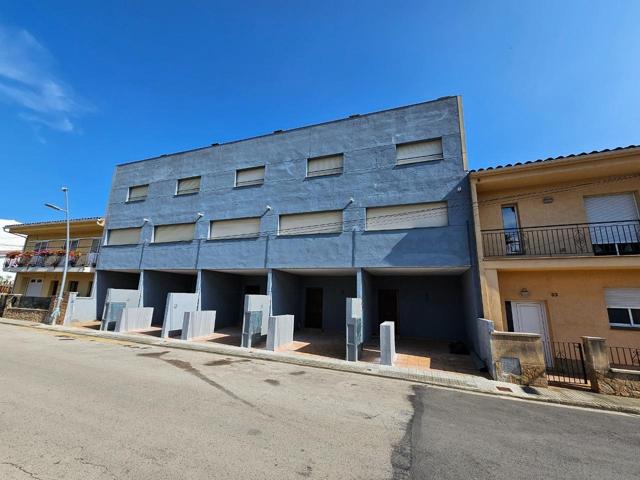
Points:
(375, 206)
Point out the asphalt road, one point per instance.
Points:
(72, 407)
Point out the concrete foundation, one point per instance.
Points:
(138, 318)
(198, 324)
(177, 305)
(280, 332)
(387, 343)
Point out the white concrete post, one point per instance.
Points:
(354, 329)
(387, 343)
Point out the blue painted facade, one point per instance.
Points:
(370, 178)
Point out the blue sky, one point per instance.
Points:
(89, 84)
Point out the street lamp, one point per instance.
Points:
(56, 310)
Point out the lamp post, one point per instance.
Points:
(65, 210)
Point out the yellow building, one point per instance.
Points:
(559, 246)
(39, 265)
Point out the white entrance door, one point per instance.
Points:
(531, 317)
(34, 289)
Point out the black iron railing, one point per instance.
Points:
(565, 362)
(624, 357)
(607, 238)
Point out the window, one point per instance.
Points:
(89, 289)
(41, 245)
(328, 165)
(137, 193)
(311, 223)
(250, 176)
(74, 245)
(614, 227)
(417, 215)
(511, 225)
(124, 236)
(236, 228)
(95, 245)
(187, 186)
(623, 306)
(73, 286)
(53, 289)
(179, 232)
(415, 152)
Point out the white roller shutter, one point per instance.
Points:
(138, 192)
(419, 151)
(620, 210)
(236, 228)
(329, 165)
(309, 223)
(622, 297)
(188, 185)
(417, 215)
(124, 236)
(174, 233)
(249, 176)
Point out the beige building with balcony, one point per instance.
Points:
(39, 265)
(559, 246)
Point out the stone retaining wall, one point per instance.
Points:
(518, 358)
(604, 379)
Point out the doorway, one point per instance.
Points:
(251, 290)
(531, 317)
(34, 289)
(313, 308)
(388, 308)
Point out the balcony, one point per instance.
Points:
(49, 255)
(584, 239)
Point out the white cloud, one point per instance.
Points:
(27, 79)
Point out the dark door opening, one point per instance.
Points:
(388, 308)
(251, 290)
(313, 308)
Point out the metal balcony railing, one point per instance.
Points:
(606, 238)
(83, 252)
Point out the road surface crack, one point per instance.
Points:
(22, 469)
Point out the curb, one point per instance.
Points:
(464, 383)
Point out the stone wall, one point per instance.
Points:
(604, 379)
(518, 358)
(37, 315)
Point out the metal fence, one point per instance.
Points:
(624, 357)
(610, 238)
(565, 363)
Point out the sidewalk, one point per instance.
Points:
(459, 381)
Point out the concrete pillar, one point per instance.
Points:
(354, 338)
(280, 332)
(387, 343)
(596, 360)
(491, 301)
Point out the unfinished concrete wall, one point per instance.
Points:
(106, 279)
(220, 292)
(198, 324)
(132, 319)
(387, 343)
(116, 300)
(176, 306)
(158, 284)
(280, 332)
(256, 318)
(354, 335)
